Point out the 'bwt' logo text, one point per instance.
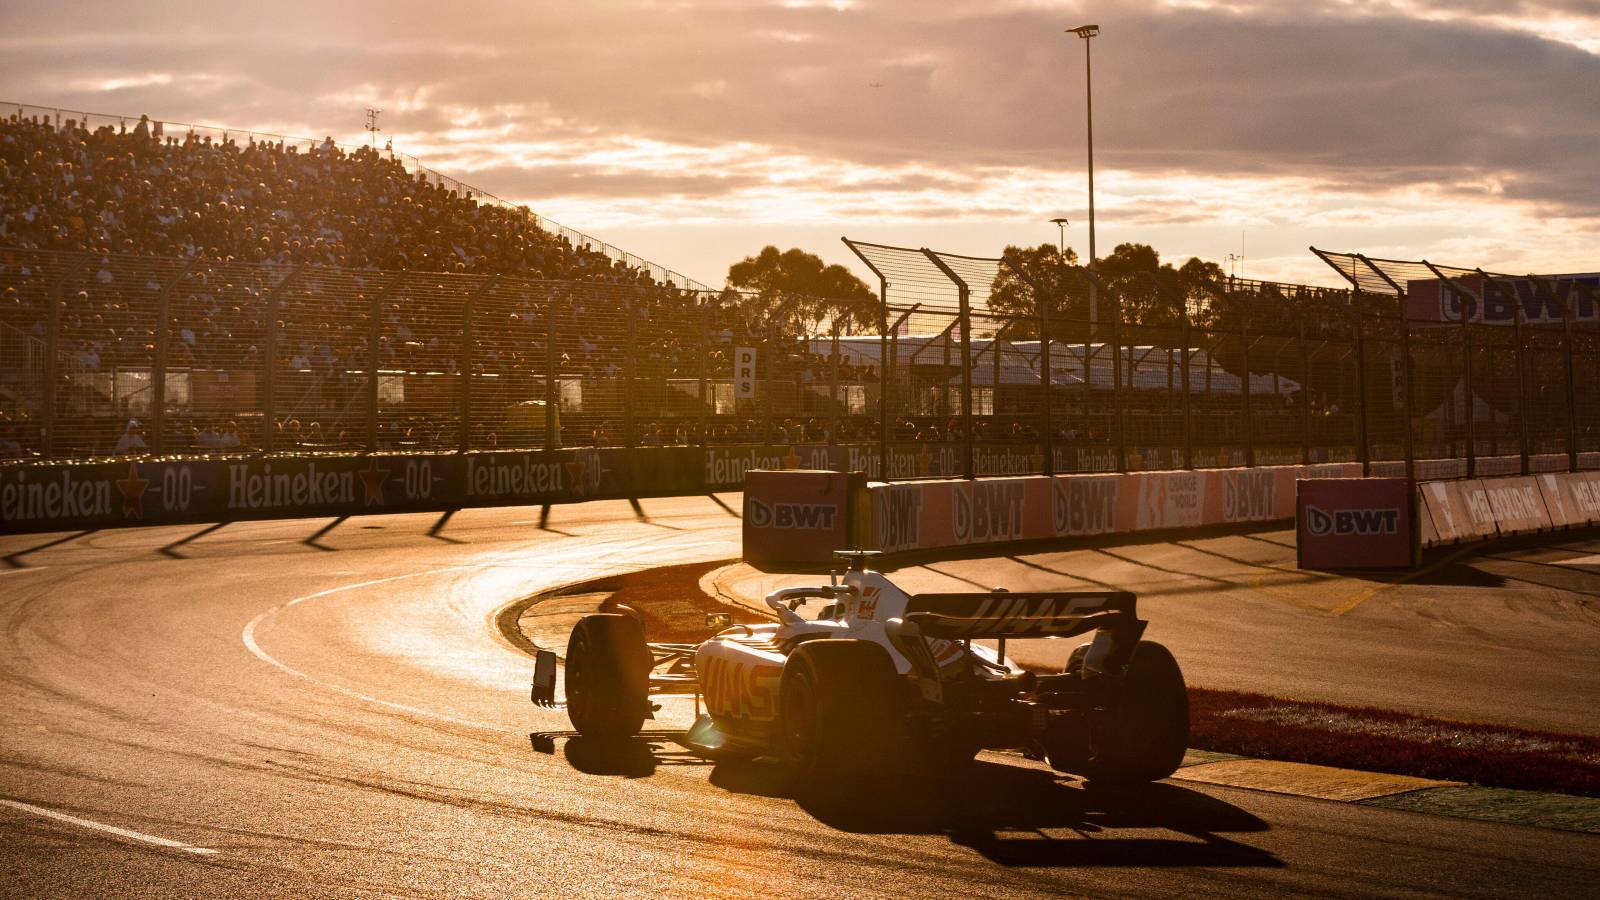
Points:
(1322, 523)
(791, 515)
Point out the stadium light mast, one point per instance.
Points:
(372, 125)
(1086, 32)
(1061, 226)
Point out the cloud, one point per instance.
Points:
(736, 111)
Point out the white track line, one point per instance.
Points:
(601, 550)
(110, 829)
(249, 636)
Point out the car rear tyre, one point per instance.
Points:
(841, 710)
(608, 675)
(1140, 729)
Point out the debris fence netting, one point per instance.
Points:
(975, 366)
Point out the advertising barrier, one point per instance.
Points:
(1459, 509)
(1572, 498)
(1354, 523)
(932, 514)
(796, 516)
(1483, 508)
(1516, 504)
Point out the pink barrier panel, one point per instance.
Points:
(929, 514)
(1084, 504)
(990, 510)
(795, 516)
(896, 516)
(1516, 504)
(1354, 523)
(1167, 500)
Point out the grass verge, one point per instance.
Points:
(1380, 740)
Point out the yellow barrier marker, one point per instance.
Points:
(1306, 780)
(1363, 596)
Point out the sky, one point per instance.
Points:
(694, 133)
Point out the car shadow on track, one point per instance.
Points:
(1011, 815)
(636, 757)
(1016, 816)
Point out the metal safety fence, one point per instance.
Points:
(977, 367)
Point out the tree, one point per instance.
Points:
(1027, 273)
(796, 283)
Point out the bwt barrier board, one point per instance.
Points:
(795, 516)
(1354, 523)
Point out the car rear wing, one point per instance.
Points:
(1003, 614)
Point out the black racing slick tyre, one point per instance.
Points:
(1138, 728)
(841, 710)
(608, 675)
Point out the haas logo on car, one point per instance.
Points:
(1352, 521)
(739, 691)
(814, 516)
(1023, 615)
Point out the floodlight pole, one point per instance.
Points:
(1086, 32)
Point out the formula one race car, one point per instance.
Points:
(881, 681)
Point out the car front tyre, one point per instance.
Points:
(607, 676)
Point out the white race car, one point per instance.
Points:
(881, 681)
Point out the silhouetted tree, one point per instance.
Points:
(803, 288)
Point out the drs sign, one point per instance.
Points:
(744, 372)
(1355, 523)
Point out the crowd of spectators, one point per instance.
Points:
(135, 190)
(221, 224)
(250, 245)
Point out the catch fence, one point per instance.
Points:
(139, 356)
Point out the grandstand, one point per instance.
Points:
(232, 294)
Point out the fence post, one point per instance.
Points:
(52, 350)
(1518, 334)
(1406, 400)
(767, 358)
(1183, 356)
(1569, 371)
(1462, 299)
(1405, 367)
(464, 357)
(269, 361)
(1244, 382)
(1047, 381)
(628, 352)
(890, 357)
(887, 345)
(374, 360)
(964, 296)
(703, 411)
(158, 368)
(375, 357)
(552, 389)
(1117, 417)
(833, 389)
(1362, 436)
(1305, 378)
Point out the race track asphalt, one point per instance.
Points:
(327, 706)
